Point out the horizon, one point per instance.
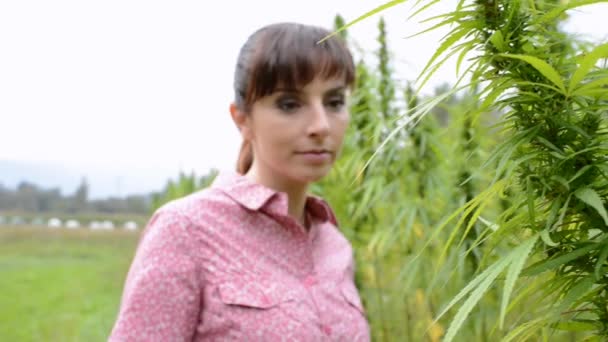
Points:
(103, 182)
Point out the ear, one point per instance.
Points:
(241, 120)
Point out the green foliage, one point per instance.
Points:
(338, 24)
(385, 88)
(553, 159)
(365, 16)
(389, 197)
(183, 186)
(544, 173)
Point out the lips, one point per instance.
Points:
(317, 156)
(314, 152)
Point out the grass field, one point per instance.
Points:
(61, 285)
(65, 285)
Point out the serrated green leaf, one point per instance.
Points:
(415, 113)
(503, 162)
(592, 87)
(580, 172)
(543, 67)
(453, 37)
(548, 144)
(576, 326)
(556, 12)
(591, 197)
(586, 64)
(498, 41)
(520, 256)
(369, 192)
(600, 262)
(472, 221)
(528, 47)
(530, 201)
(557, 155)
(576, 292)
(544, 235)
(423, 8)
(364, 16)
(577, 129)
(561, 180)
(498, 88)
(563, 210)
(472, 209)
(496, 267)
(552, 214)
(549, 264)
(432, 28)
(475, 296)
(594, 338)
(523, 328)
(461, 56)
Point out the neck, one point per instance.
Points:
(296, 192)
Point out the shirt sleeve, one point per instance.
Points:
(162, 294)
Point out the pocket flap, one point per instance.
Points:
(262, 294)
(351, 294)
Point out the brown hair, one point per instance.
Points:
(287, 55)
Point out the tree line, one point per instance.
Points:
(28, 197)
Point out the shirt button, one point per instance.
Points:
(326, 329)
(309, 281)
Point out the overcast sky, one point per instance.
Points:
(148, 83)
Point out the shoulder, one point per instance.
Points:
(193, 213)
(200, 202)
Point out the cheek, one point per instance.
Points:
(340, 125)
(272, 138)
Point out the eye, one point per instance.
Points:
(288, 105)
(336, 103)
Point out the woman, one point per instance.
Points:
(254, 257)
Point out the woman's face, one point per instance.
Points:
(297, 134)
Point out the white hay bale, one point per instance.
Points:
(72, 224)
(107, 225)
(54, 223)
(95, 225)
(130, 225)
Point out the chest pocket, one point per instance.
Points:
(262, 310)
(355, 326)
(351, 294)
(256, 294)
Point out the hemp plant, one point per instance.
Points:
(554, 96)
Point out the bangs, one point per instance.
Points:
(291, 57)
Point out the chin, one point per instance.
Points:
(312, 175)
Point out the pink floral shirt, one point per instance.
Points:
(228, 263)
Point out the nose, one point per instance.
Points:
(319, 122)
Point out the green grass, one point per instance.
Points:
(60, 285)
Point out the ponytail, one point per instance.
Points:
(245, 159)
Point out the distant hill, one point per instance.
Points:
(104, 181)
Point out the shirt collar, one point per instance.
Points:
(255, 196)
